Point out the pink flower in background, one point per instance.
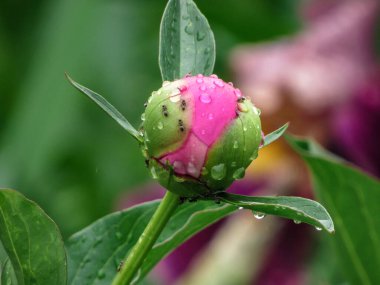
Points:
(317, 69)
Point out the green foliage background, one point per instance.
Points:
(55, 145)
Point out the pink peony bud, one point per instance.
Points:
(200, 135)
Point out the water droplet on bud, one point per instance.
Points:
(297, 222)
(239, 173)
(318, 228)
(240, 208)
(143, 117)
(160, 126)
(205, 98)
(218, 172)
(258, 215)
(219, 83)
(210, 116)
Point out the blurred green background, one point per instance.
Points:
(56, 147)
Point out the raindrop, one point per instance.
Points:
(214, 76)
(143, 117)
(204, 171)
(189, 29)
(200, 75)
(244, 128)
(219, 83)
(154, 173)
(318, 228)
(211, 116)
(242, 107)
(205, 98)
(236, 144)
(203, 132)
(160, 125)
(239, 173)
(297, 222)
(240, 208)
(191, 169)
(202, 88)
(258, 215)
(237, 92)
(218, 172)
(200, 35)
(199, 80)
(175, 98)
(231, 84)
(101, 274)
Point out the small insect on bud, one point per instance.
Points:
(203, 150)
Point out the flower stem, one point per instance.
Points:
(145, 243)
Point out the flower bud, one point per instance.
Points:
(200, 134)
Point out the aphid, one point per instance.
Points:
(181, 126)
(241, 99)
(183, 105)
(165, 110)
(120, 265)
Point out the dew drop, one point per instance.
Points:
(218, 172)
(244, 128)
(153, 172)
(200, 75)
(318, 228)
(191, 169)
(258, 215)
(213, 76)
(297, 222)
(236, 144)
(175, 98)
(143, 117)
(199, 80)
(242, 107)
(239, 173)
(231, 84)
(160, 126)
(219, 83)
(202, 88)
(200, 35)
(210, 116)
(240, 208)
(237, 92)
(189, 29)
(204, 171)
(101, 274)
(205, 98)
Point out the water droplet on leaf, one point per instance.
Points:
(318, 228)
(297, 222)
(258, 215)
(160, 125)
(189, 29)
(239, 173)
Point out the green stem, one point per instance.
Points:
(146, 241)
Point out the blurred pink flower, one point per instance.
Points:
(318, 68)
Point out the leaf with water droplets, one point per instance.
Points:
(269, 138)
(31, 241)
(108, 108)
(187, 42)
(91, 262)
(352, 197)
(295, 208)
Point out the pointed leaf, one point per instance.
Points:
(95, 253)
(108, 108)
(295, 208)
(187, 43)
(352, 198)
(31, 240)
(269, 138)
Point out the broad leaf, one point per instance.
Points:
(95, 253)
(108, 108)
(31, 240)
(269, 138)
(187, 44)
(295, 208)
(352, 198)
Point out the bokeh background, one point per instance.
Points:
(313, 63)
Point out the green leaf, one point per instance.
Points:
(269, 138)
(352, 198)
(95, 253)
(31, 240)
(295, 208)
(107, 107)
(187, 44)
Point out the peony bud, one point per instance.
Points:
(200, 134)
